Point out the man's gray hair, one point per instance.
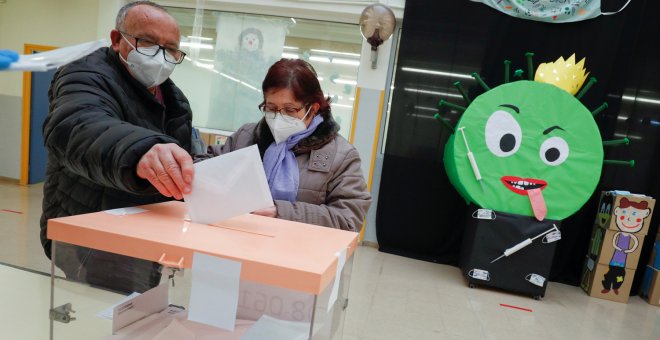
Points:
(121, 15)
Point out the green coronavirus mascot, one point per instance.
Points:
(527, 154)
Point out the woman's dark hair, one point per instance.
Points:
(300, 77)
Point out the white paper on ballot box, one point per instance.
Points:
(228, 185)
(44, 61)
(273, 329)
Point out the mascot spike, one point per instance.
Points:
(599, 109)
(586, 88)
(444, 122)
(481, 82)
(630, 163)
(453, 106)
(616, 142)
(530, 65)
(462, 91)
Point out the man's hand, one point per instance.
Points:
(268, 212)
(7, 57)
(169, 168)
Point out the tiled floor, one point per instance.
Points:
(393, 297)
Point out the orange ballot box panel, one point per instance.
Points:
(272, 251)
(292, 274)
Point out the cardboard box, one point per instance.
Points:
(630, 213)
(206, 137)
(606, 282)
(216, 139)
(651, 286)
(602, 250)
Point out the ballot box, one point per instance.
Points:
(508, 251)
(242, 278)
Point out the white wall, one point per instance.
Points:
(41, 22)
(10, 136)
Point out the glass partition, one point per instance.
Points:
(228, 55)
(82, 304)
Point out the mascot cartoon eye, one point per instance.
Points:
(503, 134)
(554, 151)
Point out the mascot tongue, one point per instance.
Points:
(538, 203)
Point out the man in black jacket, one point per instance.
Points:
(118, 132)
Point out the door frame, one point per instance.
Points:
(25, 125)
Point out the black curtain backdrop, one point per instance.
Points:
(420, 215)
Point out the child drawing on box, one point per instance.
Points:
(629, 219)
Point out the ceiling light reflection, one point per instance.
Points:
(435, 93)
(437, 73)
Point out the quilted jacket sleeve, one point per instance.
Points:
(87, 130)
(346, 204)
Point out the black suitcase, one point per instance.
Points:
(489, 233)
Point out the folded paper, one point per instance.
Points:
(229, 185)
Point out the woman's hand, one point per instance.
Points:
(268, 212)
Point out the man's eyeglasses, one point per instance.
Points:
(271, 111)
(150, 48)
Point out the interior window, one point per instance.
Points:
(228, 55)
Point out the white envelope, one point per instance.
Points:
(228, 185)
(152, 301)
(274, 329)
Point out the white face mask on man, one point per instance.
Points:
(149, 71)
(282, 126)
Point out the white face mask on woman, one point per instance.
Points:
(282, 126)
(149, 71)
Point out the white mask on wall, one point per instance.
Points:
(149, 71)
(555, 11)
(283, 126)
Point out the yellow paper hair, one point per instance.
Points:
(565, 74)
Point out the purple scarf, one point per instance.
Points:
(281, 166)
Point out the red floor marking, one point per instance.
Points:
(515, 307)
(11, 211)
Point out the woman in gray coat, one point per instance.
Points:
(313, 173)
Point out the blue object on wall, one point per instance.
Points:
(646, 282)
(38, 112)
